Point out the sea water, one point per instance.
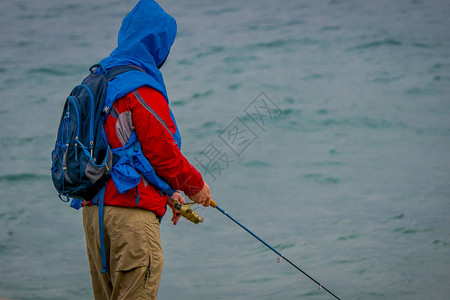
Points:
(322, 126)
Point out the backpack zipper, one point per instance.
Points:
(91, 121)
(78, 125)
(78, 116)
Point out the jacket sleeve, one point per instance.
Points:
(157, 143)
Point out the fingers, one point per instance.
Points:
(181, 200)
(175, 213)
(175, 218)
(176, 196)
(203, 200)
(203, 197)
(207, 202)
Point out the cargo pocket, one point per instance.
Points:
(129, 249)
(152, 277)
(156, 259)
(129, 261)
(149, 270)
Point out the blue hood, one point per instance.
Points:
(145, 38)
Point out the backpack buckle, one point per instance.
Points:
(96, 67)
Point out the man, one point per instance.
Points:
(139, 111)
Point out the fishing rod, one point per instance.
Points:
(192, 216)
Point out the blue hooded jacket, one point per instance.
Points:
(145, 39)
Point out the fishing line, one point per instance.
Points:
(214, 204)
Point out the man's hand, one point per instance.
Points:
(203, 197)
(175, 213)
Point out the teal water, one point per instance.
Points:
(348, 177)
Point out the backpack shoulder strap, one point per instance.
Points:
(113, 72)
(121, 69)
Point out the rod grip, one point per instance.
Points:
(212, 203)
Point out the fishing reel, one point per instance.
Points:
(187, 212)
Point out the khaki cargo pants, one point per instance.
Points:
(133, 253)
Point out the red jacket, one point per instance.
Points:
(158, 146)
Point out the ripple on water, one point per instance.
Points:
(321, 178)
(240, 58)
(376, 44)
(281, 247)
(178, 103)
(23, 177)
(207, 129)
(272, 44)
(234, 86)
(419, 91)
(13, 142)
(348, 237)
(322, 111)
(439, 243)
(202, 94)
(278, 247)
(398, 217)
(389, 43)
(6, 246)
(347, 261)
(362, 121)
(185, 62)
(330, 28)
(210, 51)
(259, 280)
(221, 11)
(316, 76)
(57, 70)
(47, 71)
(405, 231)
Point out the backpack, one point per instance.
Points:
(82, 158)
